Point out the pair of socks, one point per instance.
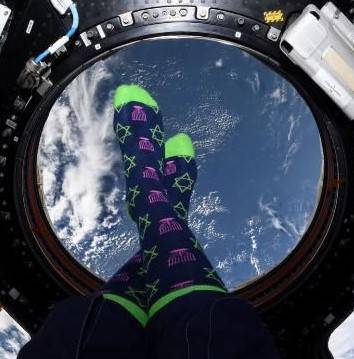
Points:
(160, 178)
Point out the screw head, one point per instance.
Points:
(220, 16)
(6, 133)
(241, 21)
(145, 15)
(256, 27)
(126, 21)
(155, 14)
(110, 27)
(78, 43)
(173, 13)
(183, 12)
(203, 13)
(91, 34)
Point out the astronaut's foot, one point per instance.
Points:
(133, 93)
(139, 129)
(180, 172)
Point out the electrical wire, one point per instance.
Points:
(63, 40)
(75, 24)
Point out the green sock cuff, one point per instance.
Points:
(168, 298)
(138, 313)
(180, 145)
(133, 93)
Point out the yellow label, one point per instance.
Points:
(273, 16)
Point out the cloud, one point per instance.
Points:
(294, 123)
(254, 82)
(226, 263)
(233, 74)
(253, 230)
(292, 226)
(245, 54)
(279, 95)
(294, 147)
(208, 205)
(202, 217)
(219, 63)
(73, 142)
(288, 160)
(210, 124)
(302, 212)
(273, 216)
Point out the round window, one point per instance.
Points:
(258, 149)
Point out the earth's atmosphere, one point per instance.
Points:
(259, 160)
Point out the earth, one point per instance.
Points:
(258, 152)
(258, 149)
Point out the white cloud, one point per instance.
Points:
(292, 226)
(219, 63)
(226, 263)
(201, 217)
(303, 212)
(253, 230)
(255, 263)
(288, 160)
(279, 95)
(85, 158)
(254, 82)
(208, 205)
(273, 217)
(233, 74)
(245, 54)
(210, 124)
(294, 122)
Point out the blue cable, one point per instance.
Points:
(41, 57)
(75, 24)
(71, 32)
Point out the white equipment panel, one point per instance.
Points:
(321, 42)
(5, 13)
